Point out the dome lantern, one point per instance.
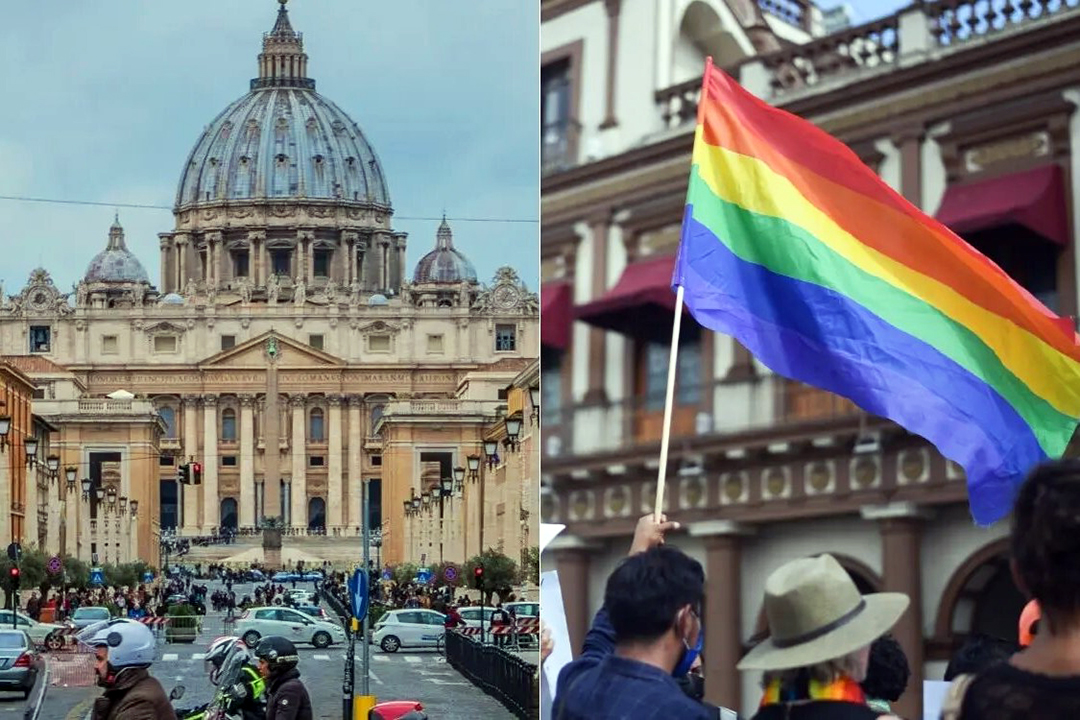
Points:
(283, 62)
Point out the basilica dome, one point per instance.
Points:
(444, 264)
(283, 140)
(116, 264)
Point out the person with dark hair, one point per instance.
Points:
(647, 634)
(886, 675)
(979, 653)
(1042, 680)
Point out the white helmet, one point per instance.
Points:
(216, 654)
(130, 644)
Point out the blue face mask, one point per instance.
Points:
(689, 655)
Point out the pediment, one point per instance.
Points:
(255, 353)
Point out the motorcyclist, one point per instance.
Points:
(288, 698)
(125, 651)
(241, 690)
(453, 618)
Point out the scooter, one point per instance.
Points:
(398, 710)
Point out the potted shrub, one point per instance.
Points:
(182, 626)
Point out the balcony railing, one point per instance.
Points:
(104, 405)
(768, 403)
(873, 47)
(558, 146)
(793, 12)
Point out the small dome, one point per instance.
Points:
(171, 299)
(116, 264)
(444, 264)
(378, 299)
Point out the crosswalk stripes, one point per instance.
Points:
(322, 657)
(412, 659)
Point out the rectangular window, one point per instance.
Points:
(320, 263)
(39, 338)
(379, 343)
(165, 344)
(504, 393)
(551, 387)
(435, 344)
(556, 125)
(687, 372)
(228, 342)
(505, 338)
(38, 393)
(166, 460)
(240, 264)
(228, 461)
(316, 461)
(376, 460)
(279, 262)
(315, 341)
(110, 345)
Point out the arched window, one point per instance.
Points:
(168, 416)
(317, 429)
(228, 425)
(228, 513)
(376, 413)
(316, 513)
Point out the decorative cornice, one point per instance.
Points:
(246, 400)
(209, 400)
(298, 399)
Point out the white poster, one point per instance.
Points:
(933, 696)
(554, 617)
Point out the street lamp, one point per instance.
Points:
(513, 430)
(448, 486)
(53, 463)
(86, 484)
(459, 476)
(474, 466)
(100, 493)
(134, 508)
(534, 397)
(123, 504)
(70, 472)
(415, 505)
(408, 507)
(491, 449)
(5, 426)
(31, 444)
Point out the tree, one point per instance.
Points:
(500, 574)
(78, 572)
(530, 565)
(404, 573)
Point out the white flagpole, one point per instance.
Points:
(668, 403)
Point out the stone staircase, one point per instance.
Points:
(342, 552)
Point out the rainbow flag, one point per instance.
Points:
(797, 249)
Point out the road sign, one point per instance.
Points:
(423, 576)
(14, 551)
(55, 565)
(97, 576)
(450, 574)
(387, 575)
(358, 594)
(148, 577)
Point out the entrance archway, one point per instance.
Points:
(228, 514)
(980, 598)
(316, 514)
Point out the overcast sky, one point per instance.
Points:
(103, 101)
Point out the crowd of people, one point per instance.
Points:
(828, 653)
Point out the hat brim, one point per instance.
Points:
(881, 612)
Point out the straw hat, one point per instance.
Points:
(816, 613)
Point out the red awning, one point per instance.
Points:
(1034, 199)
(641, 303)
(556, 315)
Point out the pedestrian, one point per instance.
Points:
(288, 698)
(124, 653)
(887, 674)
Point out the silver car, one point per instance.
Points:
(87, 616)
(19, 662)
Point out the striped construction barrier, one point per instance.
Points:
(498, 630)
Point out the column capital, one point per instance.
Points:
(334, 399)
(349, 236)
(895, 511)
(191, 399)
(246, 400)
(719, 528)
(254, 235)
(298, 399)
(214, 237)
(209, 400)
(355, 400)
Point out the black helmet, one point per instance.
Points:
(278, 652)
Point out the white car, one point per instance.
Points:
(39, 632)
(472, 615)
(261, 622)
(409, 628)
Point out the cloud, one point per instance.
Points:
(104, 101)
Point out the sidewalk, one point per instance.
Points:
(68, 703)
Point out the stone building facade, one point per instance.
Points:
(284, 325)
(968, 112)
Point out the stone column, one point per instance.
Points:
(211, 514)
(247, 461)
(267, 268)
(256, 240)
(600, 225)
(165, 245)
(908, 140)
(723, 593)
(180, 266)
(572, 563)
(72, 508)
(30, 523)
(351, 492)
(191, 450)
(334, 496)
(298, 487)
(901, 536)
(304, 239)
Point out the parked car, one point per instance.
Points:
(472, 615)
(285, 577)
(408, 628)
(300, 597)
(311, 575)
(260, 622)
(41, 633)
(86, 616)
(523, 608)
(20, 663)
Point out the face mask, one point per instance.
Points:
(693, 685)
(689, 655)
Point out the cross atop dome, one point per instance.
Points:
(282, 62)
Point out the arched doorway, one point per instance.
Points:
(316, 514)
(980, 599)
(228, 514)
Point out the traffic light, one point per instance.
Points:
(478, 578)
(196, 473)
(14, 575)
(183, 474)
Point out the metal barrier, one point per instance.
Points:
(504, 676)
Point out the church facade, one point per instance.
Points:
(284, 327)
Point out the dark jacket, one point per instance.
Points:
(288, 698)
(136, 696)
(817, 710)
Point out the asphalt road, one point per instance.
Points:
(413, 675)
